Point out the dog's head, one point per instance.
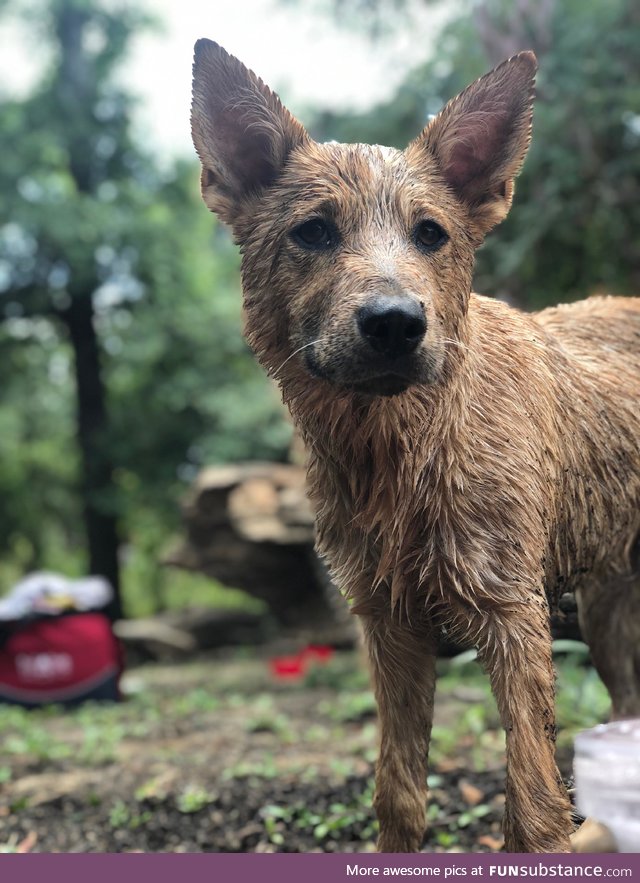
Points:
(357, 259)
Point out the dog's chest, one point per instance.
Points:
(406, 530)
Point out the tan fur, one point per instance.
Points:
(504, 470)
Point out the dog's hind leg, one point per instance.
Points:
(402, 661)
(516, 651)
(609, 613)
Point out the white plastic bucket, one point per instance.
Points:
(607, 775)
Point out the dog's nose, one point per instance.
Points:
(392, 326)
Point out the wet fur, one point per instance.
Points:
(504, 472)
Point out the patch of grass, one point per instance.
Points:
(275, 818)
(193, 799)
(100, 742)
(93, 733)
(236, 700)
(350, 706)
(122, 816)
(266, 768)
(36, 742)
(341, 767)
(198, 699)
(341, 817)
(323, 826)
(139, 819)
(315, 733)
(29, 732)
(150, 790)
(342, 672)
(265, 718)
(119, 815)
(470, 815)
(309, 774)
(446, 839)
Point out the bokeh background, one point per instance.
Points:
(123, 370)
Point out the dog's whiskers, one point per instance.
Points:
(295, 353)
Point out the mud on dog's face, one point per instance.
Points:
(357, 260)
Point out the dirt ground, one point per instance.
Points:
(219, 756)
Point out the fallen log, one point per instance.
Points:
(250, 527)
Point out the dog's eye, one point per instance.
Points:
(313, 234)
(428, 236)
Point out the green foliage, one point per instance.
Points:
(325, 826)
(574, 226)
(36, 450)
(88, 213)
(582, 700)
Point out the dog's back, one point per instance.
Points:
(601, 406)
(558, 401)
(604, 334)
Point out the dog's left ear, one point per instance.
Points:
(241, 132)
(480, 139)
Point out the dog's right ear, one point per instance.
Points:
(241, 132)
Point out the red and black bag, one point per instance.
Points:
(59, 659)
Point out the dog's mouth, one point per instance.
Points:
(384, 385)
(388, 383)
(351, 367)
(365, 381)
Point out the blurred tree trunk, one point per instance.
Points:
(97, 487)
(97, 469)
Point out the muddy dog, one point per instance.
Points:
(467, 462)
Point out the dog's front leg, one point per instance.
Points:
(402, 662)
(517, 654)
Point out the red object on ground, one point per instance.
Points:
(321, 653)
(63, 659)
(288, 667)
(295, 667)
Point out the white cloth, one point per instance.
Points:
(52, 593)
